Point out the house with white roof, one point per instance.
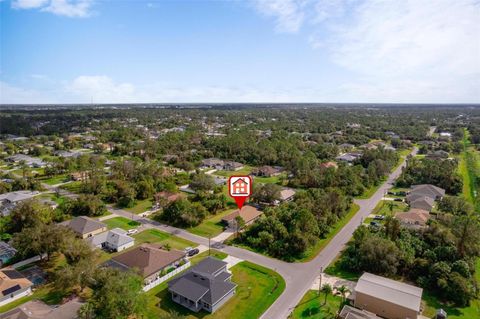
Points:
(115, 239)
(387, 298)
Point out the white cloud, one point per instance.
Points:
(288, 13)
(28, 4)
(100, 88)
(385, 45)
(16, 95)
(68, 8)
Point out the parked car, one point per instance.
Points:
(132, 231)
(398, 199)
(193, 252)
(375, 224)
(379, 217)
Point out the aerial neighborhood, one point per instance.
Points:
(127, 212)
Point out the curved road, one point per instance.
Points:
(298, 276)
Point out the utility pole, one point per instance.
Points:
(320, 280)
(209, 236)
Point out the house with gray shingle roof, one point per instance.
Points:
(205, 286)
(8, 201)
(86, 227)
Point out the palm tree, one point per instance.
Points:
(342, 290)
(326, 289)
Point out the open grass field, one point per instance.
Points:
(469, 169)
(74, 187)
(57, 179)
(158, 237)
(244, 171)
(258, 288)
(334, 269)
(211, 226)
(121, 222)
(313, 305)
(389, 207)
(140, 206)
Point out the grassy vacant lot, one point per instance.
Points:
(141, 206)
(334, 269)
(121, 222)
(312, 306)
(211, 226)
(386, 207)
(258, 288)
(159, 237)
(315, 250)
(74, 187)
(469, 169)
(57, 179)
(244, 171)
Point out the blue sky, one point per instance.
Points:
(61, 51)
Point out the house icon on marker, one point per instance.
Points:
(240, 187)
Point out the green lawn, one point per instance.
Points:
(141, 206)
(267, 180)
(334, 269)
(383, 207)
(313, 305)
(469, 169)
(258, 288)
(121, 222)
(211, 226)
(313, 251)
(45, 293)
(55, 179)
(431, 303)
(214, 253)
(159, 237)
(74, 187)
(246, 170)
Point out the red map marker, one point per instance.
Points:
(240, 188)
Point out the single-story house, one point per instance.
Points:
(148, 260)
(348, 157)
(437, 155)
(266, 171)
(206, 286)
(349, 312)
(6, 253)
(428, 190)
(248, 213)
(387, 298)
(86, 227)
(80, 176)
(13, 285)
(67, 154)
(232, 166)
(36, 309)
(212, 163)
(167, 197)
(8, 201)
(329, 165)
(423, 202)
(30, 161)
(115, 239)
(414, 218)
(286, 195)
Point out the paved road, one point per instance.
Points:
(304, 274)
(298, 276)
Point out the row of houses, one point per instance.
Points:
(421, 200)
(218, 164)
